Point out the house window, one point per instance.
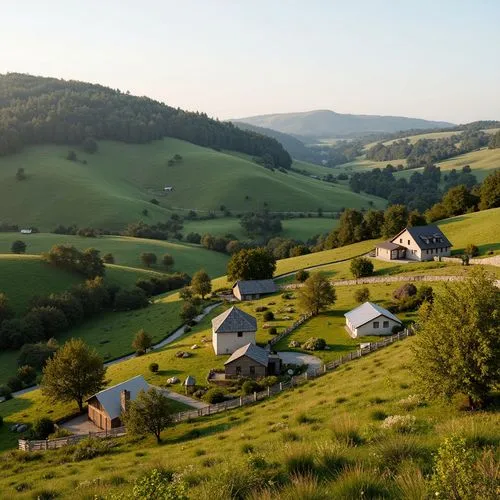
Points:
(240, 334)
(400, 240)
(238, 370)
(252, 370)
(386, 324)
(376, 324)
(408, 242)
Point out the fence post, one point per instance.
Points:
(46, 444)
(305, 375)
(281, 386)
(268, 391)
(324, 368)
(255, 396)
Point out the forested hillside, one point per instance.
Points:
(36, 110)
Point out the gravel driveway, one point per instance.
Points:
(299, 358)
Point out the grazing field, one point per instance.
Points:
(116, 184)
(335, 420)
(299, 228)
(127, 251)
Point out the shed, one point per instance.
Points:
(189, 384)
(253, 289)
(252, 361)
(370, 319)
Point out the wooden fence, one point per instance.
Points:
(50, 444)
(53, 444)
(289, 330)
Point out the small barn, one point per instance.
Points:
(106, 407)
(252, 361)
(253, 289)
(370, 319)
(233, 329)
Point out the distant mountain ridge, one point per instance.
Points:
(328, 124)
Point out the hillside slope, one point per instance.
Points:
(117, 183)
(326, 123)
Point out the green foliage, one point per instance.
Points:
(159, 484)
(154, 367)
(128, 300)
(142, 341)
(249, 387)
(151, 412)
(5, 309)
(251, 264)
(18, 247)
(362, 295)
(73, 373)
(405, 291)
(90, 448)
(201, 283)
(167, 261)
(261, 225)
(148, 259)
(42, 427)
(20, 174)
(317, 294)
(301, 275)
(27, 374)
(108, 258)
(314, 344)
(490, 191)
(189, 311)
(35, 355)
(395, 220)
(458, 353)
(88, 262)
(268, 316)
(471, 250)
(361, 267)
(214, 396)
(14, 383)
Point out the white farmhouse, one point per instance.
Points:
(233, 329)
(370, 319)
(415, 243)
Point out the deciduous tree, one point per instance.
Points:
(251, 264)
(316, 294)
(201, 283)
(142, 341)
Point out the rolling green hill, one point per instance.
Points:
(117, 183)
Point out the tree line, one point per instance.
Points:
(36, 110)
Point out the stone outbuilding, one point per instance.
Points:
(253, 289)
(252, 361)
(233, 329)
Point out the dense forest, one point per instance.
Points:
(36, 110)
(428, 151)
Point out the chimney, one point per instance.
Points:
(124, 399)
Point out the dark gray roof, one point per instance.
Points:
(389, 245)
(234, 320)
(254, 352)
(110, 397)
(427, 237)
(251, 287)
(366, 312)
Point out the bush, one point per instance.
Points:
(108, 258)
(400, 423)
(301, 275)
(43, 427)
(269, 381)
(5, 392)
(361, 266)
(249, 387)
(214, 396)
(154, 367)
(15, 383)
(89, 448)
(273, 330)
(35, 355)
(472, 250)
(362, 295)
(405, 291)
(268, 316)
(261, 309)
(27, 374)
(314, 344)
(128, 300)
(18, 246)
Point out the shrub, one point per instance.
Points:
(301, 275)
(273, 330)
(18, 246)
(472, 250)
(214, 396)
(43, 427)
(361, 266)
(357, 482)
(286, 296)
(159, 483)
(269, 381)
(89, 448)
(405, 291)
(249, 387)
(314, 344)
(400, 423)
(362, 295)
(14, 383)
(27, 374)
(261, 309)
(35, 355)
(108, 258)
(411, 402)
(268, 316)
(154, 367)
(247, 448)
(128, 300)
(378, 415)
(5, 392)
(394, 450)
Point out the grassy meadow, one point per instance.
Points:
(331, 426)
(116, 184)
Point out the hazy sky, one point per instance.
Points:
(436, 59)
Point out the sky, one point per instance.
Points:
(434, 59)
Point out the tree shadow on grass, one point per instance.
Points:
(204, 431)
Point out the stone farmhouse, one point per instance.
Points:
(252, 361)
(370, 319)
(233, 329)
(418, 243)
(106, 407)
(253, 289)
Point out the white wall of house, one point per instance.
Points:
(414, 252)
(383, 253)
(227, 343)
(378, 326)
(236, 292)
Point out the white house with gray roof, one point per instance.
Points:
(106, 407)
(232, 329)
(253, 289)
(370, 319)
(418, 243)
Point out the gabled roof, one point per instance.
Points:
(366, 312)
(234, 320)
(110, 397)
(251, 287)
(251, 351)
(389, 245)
(425, 236)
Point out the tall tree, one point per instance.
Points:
(395, 220)
(142, 341)
(251, 264)
(75, 372)
(148, 258)
(457, 348)
(201, 283)
(490, 191)
(151, 412)
(316, 294)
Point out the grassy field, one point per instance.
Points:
(127, 251)
(116, 184)
(335, 420)
(299, 228)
